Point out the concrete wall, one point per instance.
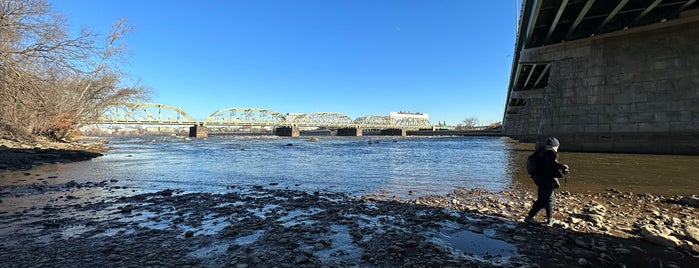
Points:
(630, 91)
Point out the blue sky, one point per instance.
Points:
(448, 58)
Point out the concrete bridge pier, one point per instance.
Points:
(394, 132)
(198, 131)
(349, 131)
(287, 131)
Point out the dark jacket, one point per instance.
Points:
(547, 166)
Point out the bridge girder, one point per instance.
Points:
(374, 121)
(321, 119)
(245, 116)
(146, 113)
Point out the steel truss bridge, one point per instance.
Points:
(162, 114)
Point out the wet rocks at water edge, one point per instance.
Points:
(692, 201)
(262, 227)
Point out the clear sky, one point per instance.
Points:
(448, 58)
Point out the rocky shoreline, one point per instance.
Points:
(91, 224)
(23, 155)
(265, 227)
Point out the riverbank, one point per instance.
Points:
(23, 155)
(261, 226)
(48, 220)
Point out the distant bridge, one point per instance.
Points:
(162, 114)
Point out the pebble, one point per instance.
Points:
(387, 233)
(519, 238)
(582, 261)
(301, 259)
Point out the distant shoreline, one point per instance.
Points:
(490, 133)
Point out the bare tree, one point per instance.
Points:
(51, 81)
(470, 122)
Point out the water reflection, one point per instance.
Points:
(397, 166)
(637, 173)
(481, 245)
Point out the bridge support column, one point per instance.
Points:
(349, 131)
(394, 132)
(287, 131)
(198, 131)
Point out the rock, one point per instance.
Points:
(622, 251)
(575, 220)
(642, 251)
(614, 191)
(189, 234)
(519, 238)
(692, 233)
(581, 242)
(593, 218)
(692, 201)
(583, 253)
(655, 236)
(51, 224)
(301, 259)
(475, 229)
(582, 261)
(598, 210)
(166, 192)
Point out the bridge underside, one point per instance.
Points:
(607, 76)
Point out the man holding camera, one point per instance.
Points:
(548, 170)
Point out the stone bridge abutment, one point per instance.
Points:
(631, 91)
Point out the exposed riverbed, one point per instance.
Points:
(170, 202)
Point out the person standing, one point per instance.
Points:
(547, 170)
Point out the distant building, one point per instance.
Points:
(406, 114)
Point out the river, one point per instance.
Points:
(395, 166)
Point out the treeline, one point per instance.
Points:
(50, 79)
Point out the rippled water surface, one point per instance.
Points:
(358, 165)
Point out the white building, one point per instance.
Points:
(406, 114)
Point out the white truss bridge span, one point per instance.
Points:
(162, 114)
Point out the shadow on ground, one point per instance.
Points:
(265, 227)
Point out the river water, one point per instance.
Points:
(395, 166)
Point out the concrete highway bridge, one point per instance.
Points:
(286, 125)
(607, 76)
